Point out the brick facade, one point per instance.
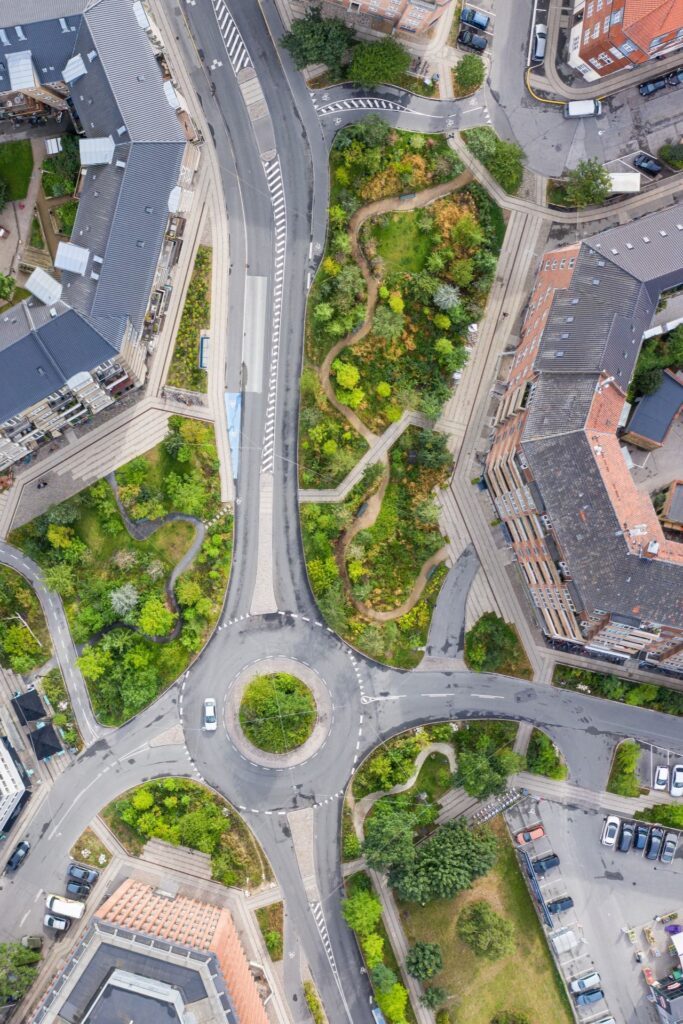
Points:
(608, 35)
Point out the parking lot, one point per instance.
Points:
(616, 895)
(651, 758)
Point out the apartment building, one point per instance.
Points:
(12, 786)
(609, 35)
(599, 568)
(412, 16)
(79, 341)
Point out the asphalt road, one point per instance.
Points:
(371, 702)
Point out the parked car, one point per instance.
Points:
(675, 77)
(544, 864)
(651, 87)
(588, 981)
(586, 998)
(557, 906)
(210, 720)
(661, 779)
(626, 837)
(18, 856)
(676, 786)
(669, 847)
(81, 874)
(654, 843)
(526, 837)
(471, 39)
(540, 36)
(610, 830)
(647, 163)
(60, 924)
(81, 890)
(64, 907)
(477, 18)
(640, 837)
(32, 941)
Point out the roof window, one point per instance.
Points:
(20, 32)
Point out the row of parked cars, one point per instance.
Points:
(630, 835)
(672, 80)
(62, 910)
(671, 780)
(472, 19)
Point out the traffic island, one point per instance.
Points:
(278, 712)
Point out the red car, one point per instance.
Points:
(526, 837)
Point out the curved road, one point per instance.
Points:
(371, 702)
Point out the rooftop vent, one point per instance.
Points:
(628, 245)
(596, 280)
(645, 238)
(92, 54)
(140, 244)
(601, 263)
(575, 302)
(569, 319)
(663, 234)
(615, 252)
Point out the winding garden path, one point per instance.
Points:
(374, 503)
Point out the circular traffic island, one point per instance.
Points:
(277, 712)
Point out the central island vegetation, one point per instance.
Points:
(277, 712)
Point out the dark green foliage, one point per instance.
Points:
(432, 996)
(317, 40)
(24, 639)
(672, 154)
(60, 172)
(542, 757)
(503, 160)
(16, 165)
(277, 712)
(390, 830)
(588, 183)
(659, 353)
(56, 693)
(509, 1017)
(670, 815)
(485, 757)
(658, 698)
(623, 779)
(383, 978)
(490, 644)
(65, 215)
(383, 61)
(392, 764)
(486, 932)
(18, 971)
(184, 371)
(469, 73)
(7, 286)
(446, 863)
(4, 195)
(424, 960)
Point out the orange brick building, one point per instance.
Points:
(601, 573)
(608, 35)
(412, 16)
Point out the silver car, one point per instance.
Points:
(210, 720)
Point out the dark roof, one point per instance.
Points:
(560, 402)
(28, 707)
(45, 742)
(121, 1006)
(655, 413)
(675, 513)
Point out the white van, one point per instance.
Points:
(64, 907)
(582, 108)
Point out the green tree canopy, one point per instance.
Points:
(18, 970)
(490, 643)
(588, 183)
(389, 831)
(469, 72)
(7, 286)
(424, 960)
(393, 1003)
(361, 911)
(155, 618)
(446, 863)
(383, 61)
(670, 815)
(317, 40)
(383, 978)
(486, 932)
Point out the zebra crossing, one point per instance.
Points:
(276, 189)
(321, 925)
(234, 44)
(363, 103)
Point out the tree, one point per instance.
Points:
(670, 815)
(383, 61)
(7, 286)
(347, 375)
(490, 643)
(432, 996)
(486, 932)
(387, 324)
(383, 978)
(424, 960)
(317, 40)
(393, 1003)
(17, 970)
(124, 600)
(589, 182)
(446, 863)
(373, 949)
(60, 577)
(155, 619)
(188, 591)
(389, 831)
(647, 380)
(361, 911)
(446, 296)
(469, 72)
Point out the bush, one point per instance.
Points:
(503, 160)
(623, 779)
(469, 73)
(543, 758)
(672, 154)
(383, 61)
(313, 1003)
(490, 644)
(361, 911)
(485, 932)
(277, 712)
(317, 40)
(600, 684)
(670, 815)
(185, 371)
(424, 960)
(60, 172)
(587, 183)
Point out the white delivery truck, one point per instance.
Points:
(64, 907)
(582, 108)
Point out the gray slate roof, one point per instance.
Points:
(654, 413)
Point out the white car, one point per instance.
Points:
(56, 921)
(587, 982)
(210, 720)
(661, 780)
(676, 786)
(610, 830)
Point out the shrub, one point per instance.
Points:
(383, 61)
(424, 960)
(672, 154)
(313, 1003)
(670, 815)
(277, 712)
(543, 758)
(485, 932)
(503, 160)
(623, 779)
(361, 911)
(469, 73)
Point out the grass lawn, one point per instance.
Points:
(89, 850)
(270, 921)
(16, 165)
(518, 664)
(402, 244)
(526, 982)
(434, 778)
(185, 371)
(65, 215)
(37, 240)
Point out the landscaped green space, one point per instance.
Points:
(503, 160)
(477, 987)
(390, 765)
(493, 645)
(277, 712)
(24, 637)
(88, 849)
(110, 582)
(60, 172)
(16, 166)
(18, 971)
(37, 240)
(185, 371)
(65, 215)
(184, 813)
(270, 921)
(468, 75)
(401, 242)
(63, 717)
(672, 154)
(543, 757)
(665, 351)
(434, 778)
(623, 779)
(351, 845)
(485, 756)
(329, 446)
(670, 815)
(599, 684)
